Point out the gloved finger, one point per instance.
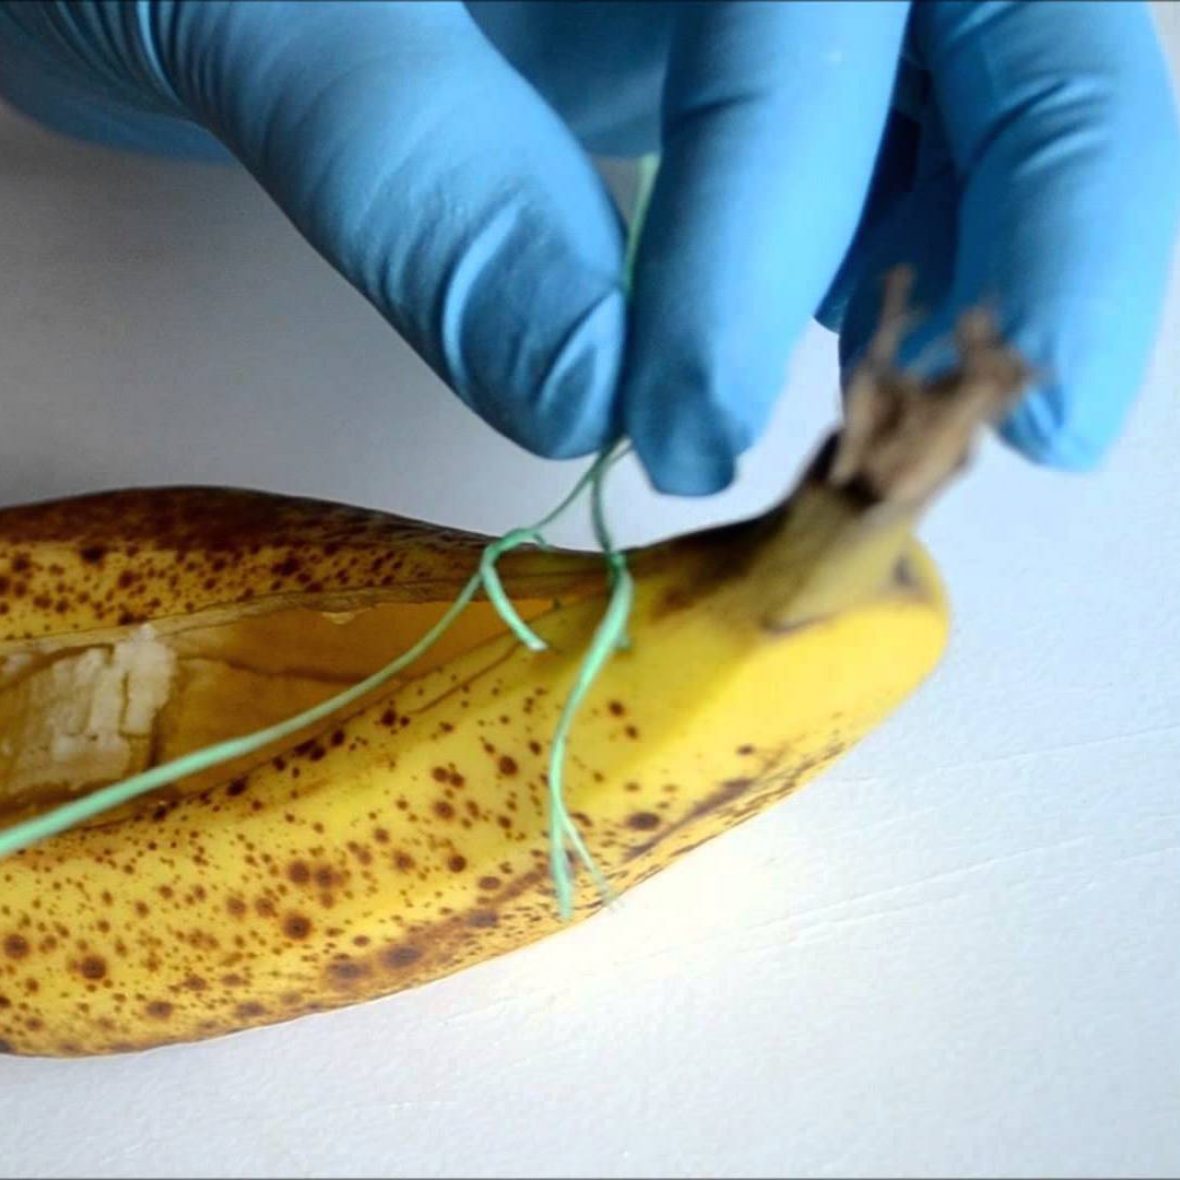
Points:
(919, 230)
(1061, 122)
(432, 177)
(910, 151)
(894, 178)
(773, 115)
(418, 163)
(47, 73)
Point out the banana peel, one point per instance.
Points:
(408, 839)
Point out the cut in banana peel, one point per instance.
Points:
(408, 839)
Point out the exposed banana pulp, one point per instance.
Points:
(79, 719)
(76, 718)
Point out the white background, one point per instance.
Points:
(958, 952)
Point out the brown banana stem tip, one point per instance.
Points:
(904, 436)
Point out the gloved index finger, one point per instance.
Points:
(773, 115)
(434, 179)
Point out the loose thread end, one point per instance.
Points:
(609, 636)
(494, 588)
(563, 879)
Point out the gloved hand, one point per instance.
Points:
(435, 154)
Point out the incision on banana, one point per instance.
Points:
(76, 716)
(409, 838)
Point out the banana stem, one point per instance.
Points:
(904, 438)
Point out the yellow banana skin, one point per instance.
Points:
(97, 564)
(410, 840)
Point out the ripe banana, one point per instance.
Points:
(408, 839)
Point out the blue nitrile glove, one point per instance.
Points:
(435, 154)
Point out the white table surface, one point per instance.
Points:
(957, 953)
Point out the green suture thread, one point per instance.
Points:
(513, 539)
(616, 563)
(611, 634)
(609, 637)
(648, 166)
(494, 588)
